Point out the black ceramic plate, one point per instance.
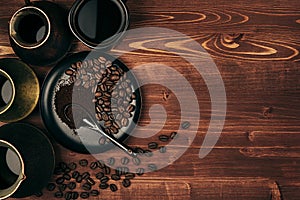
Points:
(80, 138)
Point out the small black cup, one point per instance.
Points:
(99, 24)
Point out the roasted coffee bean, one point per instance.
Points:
(79, 179)
(129, 175)
(71, 185)
(72, 166)
(148, 153)
(163, 138)
(125, 161)
(127, 114)
(85, 175)
(102, 140)
(103, 186)
(139, 150)
(62, 165)
(106, 170)
(51, 187)
(136, 161)
(93, 165)
(130, 108)
(126, 183)
(62, 187)
(124, 122)
(152, 167)
(133, 96)
(140, 171)
(69, 72)
(123, 170)
(94, 193)
(173, 135)
(162, 149)
(67, 177)
(100, 164)
(60, 180)
(84, 195)
(113, 187)
(111, 161)
(115, 177)
(104, 179)
(67, 170)
(90, 181)
(38, 194)
(59, 194)
(152, 145)
(58, 171)
(185, 125)
(75, 174)
(75, 195)
(86, 187)
(68, 195)
(99, 175)
(83, 162)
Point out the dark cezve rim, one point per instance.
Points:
(108, 43)
(63, 135)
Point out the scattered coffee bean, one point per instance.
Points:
(148, 153)
(68, 195)
(99, 175)
(185, 125)
(84, 195)
(67, 177)
(62, 187)
(113, 187)
(71, 185)
(104, 179)
(125, 161)
(100, 164)
(115, 177)
(162, 149)
(103, 186)
(62, 165)
(67, 170)
(72, 166)
(106, 170)
(126, 183)
(85, 175)
(136, 161)
(111, 161)
(173, 135)
(139, 151)
(93, 165)
(129, 176)
(90, 181)
(79, 179)
(163, 138)
(152, 145)
(75, 174)
(38, 194)
(94, 193)
(86, 187)
(51, 187)
(58, 194)
(58, 171)
(75, 195)
(152, 167)
(60, 180)
(140, 171)
(83, 162)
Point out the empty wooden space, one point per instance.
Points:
(255, 46)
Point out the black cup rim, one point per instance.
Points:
(108, 43)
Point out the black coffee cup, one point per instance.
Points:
(39, 32)
(99, 24)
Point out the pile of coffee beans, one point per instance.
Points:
(112, 88)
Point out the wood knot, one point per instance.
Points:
(267, 111)
(232, 41)
(250, 136)
(166, 94)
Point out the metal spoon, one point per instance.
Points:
(122, 146)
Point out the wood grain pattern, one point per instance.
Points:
(255, 45)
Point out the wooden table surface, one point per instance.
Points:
(255, 46)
